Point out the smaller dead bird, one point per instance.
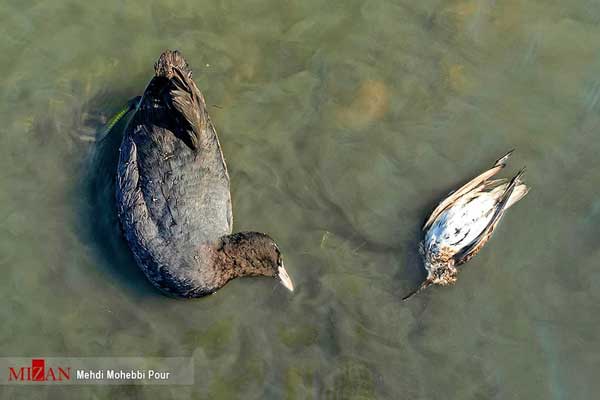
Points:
(464, 221)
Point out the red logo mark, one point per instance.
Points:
(39, 373)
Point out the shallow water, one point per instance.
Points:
(342, 123)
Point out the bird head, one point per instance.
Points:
(254, 254)
(442, 274)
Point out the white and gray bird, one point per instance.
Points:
(464, 221)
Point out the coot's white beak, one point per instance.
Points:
(285, 278)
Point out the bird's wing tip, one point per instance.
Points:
(501, 162)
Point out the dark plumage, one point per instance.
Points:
(173, 195)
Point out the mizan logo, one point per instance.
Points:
(38, 372)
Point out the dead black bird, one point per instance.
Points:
(464, 221)
(173, 196)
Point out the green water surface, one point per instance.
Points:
(343, 123)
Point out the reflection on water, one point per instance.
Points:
(342, 123)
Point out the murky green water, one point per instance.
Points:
(342, 124)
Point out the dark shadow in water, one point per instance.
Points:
(415, 270)
(100, 227)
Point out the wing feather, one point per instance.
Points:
(469, 186)
(189, 103)
(470, 250)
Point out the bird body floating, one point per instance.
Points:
(464, 221)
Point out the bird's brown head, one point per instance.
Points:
(442, 274)
(255, 254)
(168, 61)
